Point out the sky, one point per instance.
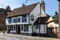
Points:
(51, 6)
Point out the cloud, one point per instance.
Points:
(12, 3)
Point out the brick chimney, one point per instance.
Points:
(23, 5)
(8, 10)
(7, 7)
(59, 6)
(42, 5)
(58, 34)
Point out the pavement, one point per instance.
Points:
(7, 36)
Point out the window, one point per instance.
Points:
(24, 18)
(10, 27)
(25, 27)
(10, 20)
(14, 27)
(37, 26)
(16, 20)
(22, 28)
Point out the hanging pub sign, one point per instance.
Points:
(32, 17)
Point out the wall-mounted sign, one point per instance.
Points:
(32, 17)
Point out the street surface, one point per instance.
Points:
(22, 37)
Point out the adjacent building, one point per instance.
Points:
(3, 14)
(53, 26)
(58, 34)
(2, 18)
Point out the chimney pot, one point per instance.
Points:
(23, 5)
(7, 7)
(42, 4)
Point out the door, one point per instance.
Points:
(18, 29)
(50, 32)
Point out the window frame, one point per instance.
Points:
(9, 20)
(37, 26)
(26, 28)
(24, 18)
(16, 20)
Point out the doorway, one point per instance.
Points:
(18, 29)
(50, 32)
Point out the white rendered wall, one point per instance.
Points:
(43, 29)
(35, 13)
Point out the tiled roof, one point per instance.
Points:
(2, 10)
(42, 20)
(22, 10)
(55, 17)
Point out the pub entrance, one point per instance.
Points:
(18, 29)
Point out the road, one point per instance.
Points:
(21, 37)
(15, 37)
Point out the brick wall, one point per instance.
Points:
(58, 34)
(42, 5)
(2, 21)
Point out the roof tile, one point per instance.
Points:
(22, 10)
